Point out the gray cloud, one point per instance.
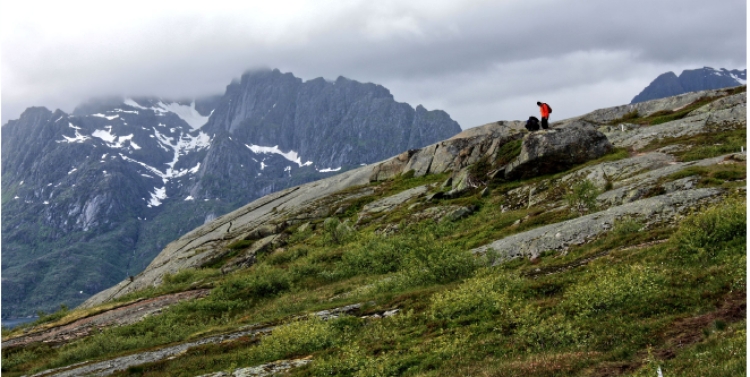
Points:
(478, 60)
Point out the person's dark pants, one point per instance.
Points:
(544, 124)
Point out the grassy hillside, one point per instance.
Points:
(642, 296)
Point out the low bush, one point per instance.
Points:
(263, 281)
(486, 295)
(536, 332)
(582, 197)
(704, 237)
(616, 288)
(298, 338)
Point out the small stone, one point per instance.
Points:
(390, 313)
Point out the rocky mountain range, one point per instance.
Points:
(691, 80)
(89, 198)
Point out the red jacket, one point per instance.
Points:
(544, 109)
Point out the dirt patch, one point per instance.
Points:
(682, 333)
(690, 330)
(122, 315)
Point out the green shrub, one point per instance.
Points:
(626, 227)
(508, 152)
(432, 265)
(629, 288)
(729, 175)
(377, 255)
(263, 281)
(538, 333)
(337, 233)
(582, 197)
(485, 295)
(298, 338)
(283, 257)
(189, 275)
(702, 237)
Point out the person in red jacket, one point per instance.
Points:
(544, 109)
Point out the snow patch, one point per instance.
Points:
(108, 117)
(123, 111)
(190, 197)
(111, 140)
(195, 168)
(328, 170)
(71, 125)
(184, 144)
(738, 79)
(157, 196)
(76, 139)
(73, 170)
(291, 155)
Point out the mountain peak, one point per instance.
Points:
(669, 84)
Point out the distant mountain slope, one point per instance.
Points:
(706, 78)
(89, 198)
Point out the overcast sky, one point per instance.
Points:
(480, 61)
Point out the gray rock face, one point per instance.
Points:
(332, 124)
(643, 109)
(268, 369)
(725, 113)
(616, 171)
(633, 188)
(451, 155)
(388, 203)
(558, 237)
(554, 150)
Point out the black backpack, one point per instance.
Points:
(532, 124)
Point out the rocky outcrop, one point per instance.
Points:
(390, 202)
(268, 369)
(118, 316)
(555, 150)
(451, 155)
(643, 109)
(615, 171)
(636, 187)
(558, 237)
(724, 114)
(248, 257)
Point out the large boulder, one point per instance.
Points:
(554, 150)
